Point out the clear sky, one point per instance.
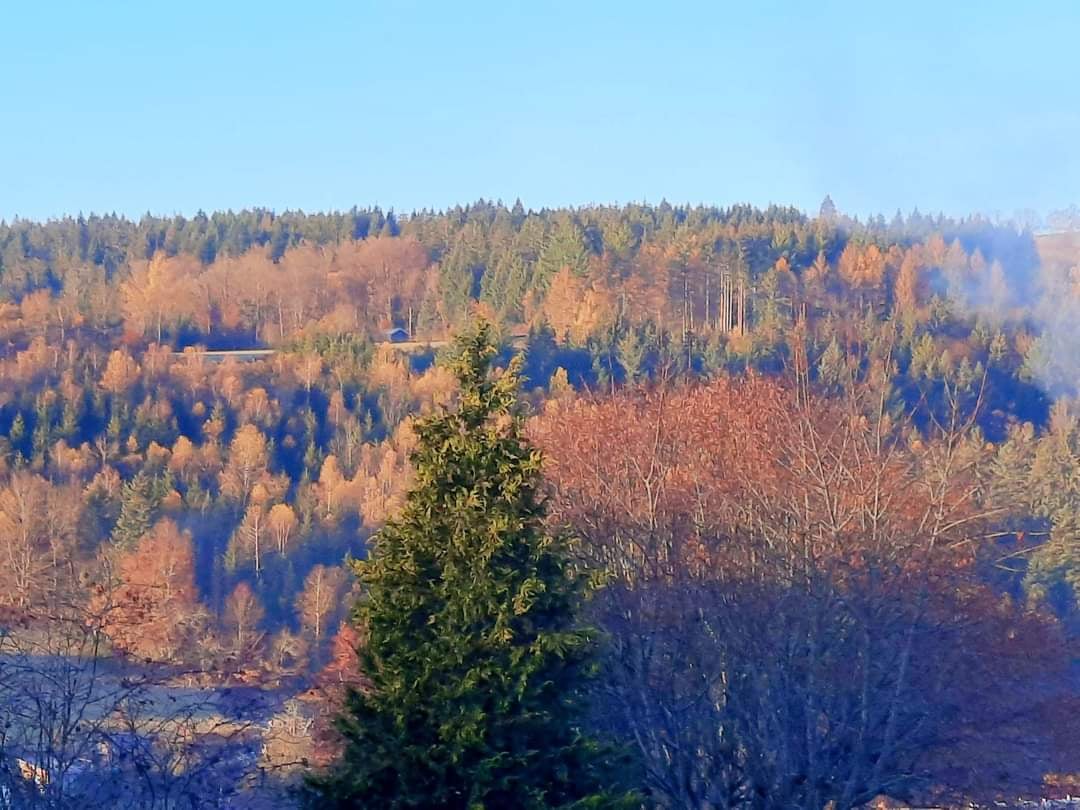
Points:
(175, 106)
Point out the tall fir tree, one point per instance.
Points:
(565, 247)
(476, 662)
(138, 504)
(17, 435)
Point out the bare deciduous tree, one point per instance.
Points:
(794, 612)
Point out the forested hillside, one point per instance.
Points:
(755, 409)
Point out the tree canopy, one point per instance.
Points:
(475, 660)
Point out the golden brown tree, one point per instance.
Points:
(154, 609)
(243, 617)
(247, 463)
(121, 372)
(792, 579)
(320, 602)
(282, 523)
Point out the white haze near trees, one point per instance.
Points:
(1044, 298)
(1054, 361)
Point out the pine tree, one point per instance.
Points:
(827, 211)
(476, 663)
(137, 508)
(17, 434)
(69, 422)
(457, 279)
(41, 439)
(633, 352)
(565, 248)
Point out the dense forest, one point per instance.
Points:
(828, 469)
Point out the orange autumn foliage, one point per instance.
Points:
(153, 611)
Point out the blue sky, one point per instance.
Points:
(173, 107)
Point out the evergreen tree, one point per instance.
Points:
(41, 438)
(633, 352)
(827, 211)
(137, 507)
(17, 434)
(518, 279)
(475, 660)
(457, 283)
(564, 248)
(69, 421)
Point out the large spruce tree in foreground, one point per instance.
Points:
(476, 662)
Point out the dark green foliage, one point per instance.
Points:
(475, 660)
(458, 277)
(564, 248)
(632, 350)
(138, 504)
(505, 286)
(17, 434)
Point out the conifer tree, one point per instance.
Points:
(632, 350)
(17, 433)
(564, 248)
(137, 509)
(475, 661)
